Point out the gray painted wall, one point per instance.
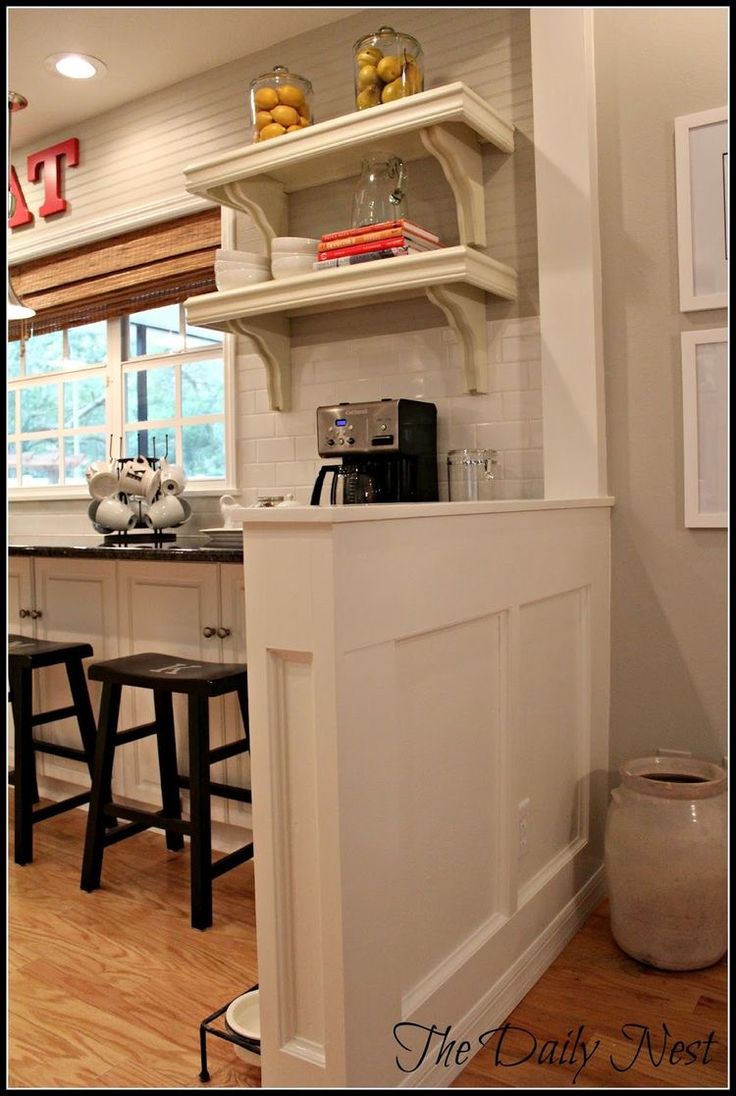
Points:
(669, 681)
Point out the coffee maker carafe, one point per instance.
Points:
(388, 449)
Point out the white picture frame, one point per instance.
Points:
(705, 427)
(701, 174)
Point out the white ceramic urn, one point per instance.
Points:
(665, 858)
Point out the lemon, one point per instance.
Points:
(370, 55)
(265, 98)
(274, 130)
(367, 75)
(291, 96)
(369, 97)
(389, 69)
(263, 118)
(285, 116)
(293, 129)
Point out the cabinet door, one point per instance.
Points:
(236, 770)
(77, 602)
(20, 595)
(165, 607)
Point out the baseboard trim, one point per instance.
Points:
(494, 1007)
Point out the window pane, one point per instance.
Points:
(12, 469)
(202, 389)
(84, 402)
(40, 462)
(39, 408)
(150, 394)
(87, 345)
(79, 452)
(11, 412)
(199, 337)
(155, 331)
(14, 360)
(45, 353)
(151, 443)
(204, 450)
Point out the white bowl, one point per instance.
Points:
(286, 266)
(249, 258)
(243, 1018)
(294, 245)
(236, 275)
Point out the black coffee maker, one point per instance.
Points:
(388, 449)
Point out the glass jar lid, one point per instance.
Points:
(280, 72)
(387, 32)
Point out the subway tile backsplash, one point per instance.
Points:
(278, 450)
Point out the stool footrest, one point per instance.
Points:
(152, 818)
(57, 713)
(56, 748)
(225, 863)
(132, 734)
(230, 749)
(58, 808)
(225, 791)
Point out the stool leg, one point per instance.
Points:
(25, 767)
(243, 702)
(101, 794)
(166, 741)
(83, 705)
(199, 790)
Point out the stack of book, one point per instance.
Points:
(380, 241)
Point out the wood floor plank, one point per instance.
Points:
(114, 985)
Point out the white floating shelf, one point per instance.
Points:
(449, 123)
(455, 279)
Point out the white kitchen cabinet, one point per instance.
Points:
(21, 597)
(179, 608)
(71, 600)
(449, 123)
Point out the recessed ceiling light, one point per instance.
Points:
(77, 66)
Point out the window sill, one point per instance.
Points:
(65, 494)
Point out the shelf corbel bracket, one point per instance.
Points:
(272, 337)
(464, 307)
(264, 200)
(459, 153)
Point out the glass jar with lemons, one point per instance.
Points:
(280, 103)
(388, 66)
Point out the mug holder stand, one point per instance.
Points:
(142, 533)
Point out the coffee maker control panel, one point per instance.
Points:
(358, 428)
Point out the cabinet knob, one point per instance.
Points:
(222, 632)
(35, 614)
(23, 613)
(208, 632)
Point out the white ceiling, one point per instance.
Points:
(145, 49)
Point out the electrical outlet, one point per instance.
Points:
(524, 820)
(662, 751)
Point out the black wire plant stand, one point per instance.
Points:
(208, 1027)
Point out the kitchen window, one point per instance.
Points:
(145, 383)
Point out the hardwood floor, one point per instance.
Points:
(107, 990)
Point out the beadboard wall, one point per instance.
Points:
(132, 170)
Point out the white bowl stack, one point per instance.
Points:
(235, 269)
(292, 255)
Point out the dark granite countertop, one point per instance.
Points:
(195, 550)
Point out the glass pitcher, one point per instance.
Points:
(381, 191)
(471, 474)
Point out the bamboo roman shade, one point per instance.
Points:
(157, 265)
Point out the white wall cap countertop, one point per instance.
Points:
(392, 511)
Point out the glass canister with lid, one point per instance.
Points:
(388, 66)
(280, 103)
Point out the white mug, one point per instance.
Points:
(166, 512)
(138, 478)
(227, 505)
(102, 479)
(173, 478)
(114, 513)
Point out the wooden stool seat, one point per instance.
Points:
(25, 655)
(165, 675)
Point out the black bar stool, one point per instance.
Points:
(165, 675)
(24, 656)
